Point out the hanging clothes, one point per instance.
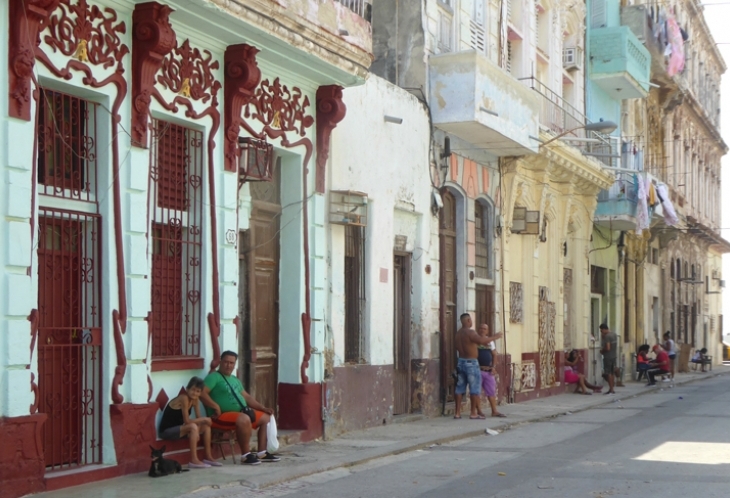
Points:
(651, 193)
(642, 210)
(674, 38)
(670, 215)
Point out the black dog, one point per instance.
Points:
(161, 466)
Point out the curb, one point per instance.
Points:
(367, 456)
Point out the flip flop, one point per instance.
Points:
(212, 463)
(478, 417)
(198, 466)
(499, 415)
(457, 418)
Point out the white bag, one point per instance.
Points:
(272, 443)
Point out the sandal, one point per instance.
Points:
(477, 417)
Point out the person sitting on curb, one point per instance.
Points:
(176, 424)
(659, 366)
(642, 361)
(233, 409)
(573, 377)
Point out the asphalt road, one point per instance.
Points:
(671, 443)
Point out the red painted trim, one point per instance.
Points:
(165, 364)
(153, 38)
(56, 482)
(25, 17)
(330, 111)
(107, 49)
(203, 86)
(242, 76)
(21, 464)
(33, 319)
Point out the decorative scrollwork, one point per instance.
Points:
(189, 72)
(279, 108)
(87, 33)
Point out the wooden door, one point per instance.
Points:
(260, 272)
(448, 292)
(401, 335)
(485, 306)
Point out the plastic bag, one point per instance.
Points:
(272, 443)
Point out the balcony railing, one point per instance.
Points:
(623, 188)
(363, 8)
(561, 117)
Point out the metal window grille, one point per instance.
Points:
(176, 186)
(483, 239)
(66, 146)
(69, 332)
(354, 292)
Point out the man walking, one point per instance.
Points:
(467, 367)
(609, 350)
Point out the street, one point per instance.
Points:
(641, 446)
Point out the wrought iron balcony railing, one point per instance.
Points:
(561, 117)
(363, 8)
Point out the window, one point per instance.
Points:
(176, 187)
(354, 292)
(66, 146)
(484, 240)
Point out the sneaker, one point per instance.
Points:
(268, 457)
(666, 380)
(250, 459)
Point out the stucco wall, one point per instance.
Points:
(390, 163)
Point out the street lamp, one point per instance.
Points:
(601, 126)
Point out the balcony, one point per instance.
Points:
(478, 102)
(618, 63)
(616, 208)
(560, 117)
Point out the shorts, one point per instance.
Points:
(571, 377)
(609, 365)
(171, 433)
(489, 384)
(227, 421)
(468, 374)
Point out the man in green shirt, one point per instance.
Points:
(231, 408)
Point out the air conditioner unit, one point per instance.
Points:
(525, 222)
(722, 284)
(572, 58)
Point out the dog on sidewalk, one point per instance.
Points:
(162, 466)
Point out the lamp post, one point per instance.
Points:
(604, 127)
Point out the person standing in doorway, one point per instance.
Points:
(609, 351)
(467, 367)
(671, 350)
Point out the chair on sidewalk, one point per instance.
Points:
(220, 438)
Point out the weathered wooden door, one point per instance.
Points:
(485, 306)
(401, 335)
(448, 291)
(260, 283)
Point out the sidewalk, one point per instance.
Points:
(357, 447)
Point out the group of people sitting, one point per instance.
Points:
(228, 408)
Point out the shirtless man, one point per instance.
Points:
(466, 341)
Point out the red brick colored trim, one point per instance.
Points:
(165, 364)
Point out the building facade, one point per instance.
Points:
(133, 142)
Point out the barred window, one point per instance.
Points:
(484, 238)
(66, 146)
(354, 292)
(176, 177)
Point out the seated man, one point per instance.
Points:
(659, 366)
(231, 408)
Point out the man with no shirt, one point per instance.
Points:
(467, 340)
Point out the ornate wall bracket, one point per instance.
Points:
(25, 18)
(330, 111)
(242, 76)
(152, 39)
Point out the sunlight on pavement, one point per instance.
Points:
(689, 452)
